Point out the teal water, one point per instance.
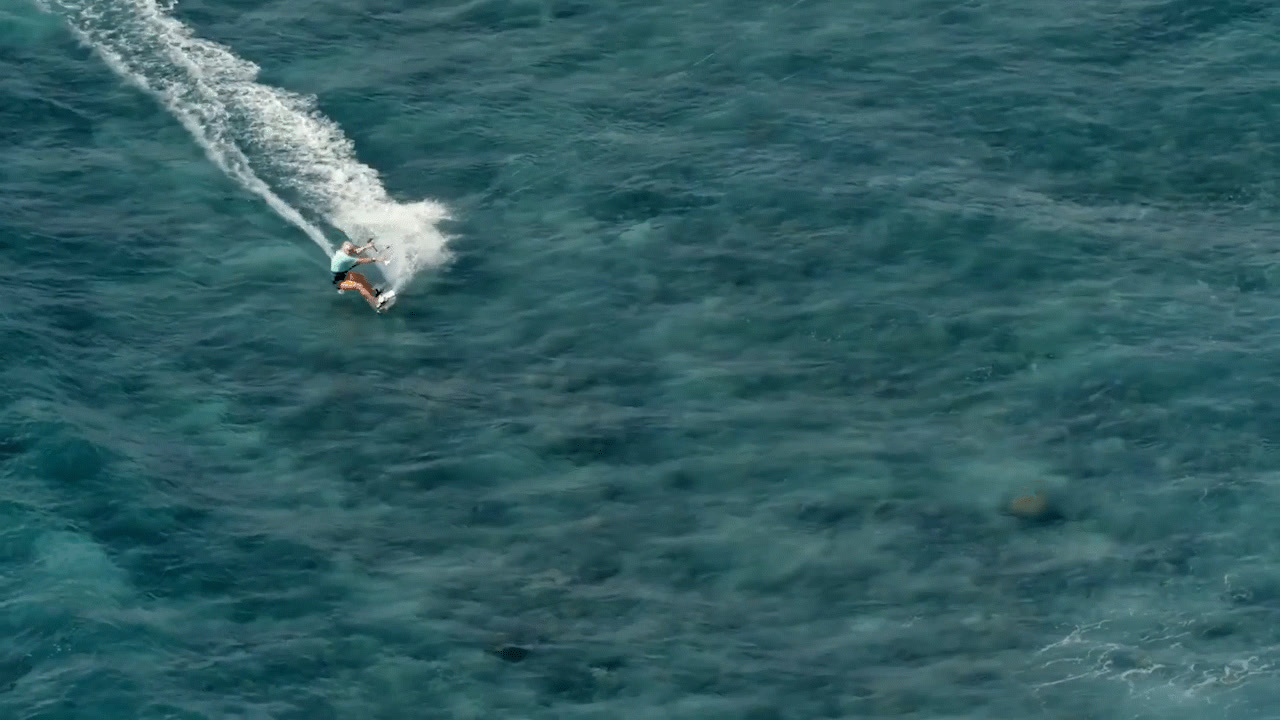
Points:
(727, 333)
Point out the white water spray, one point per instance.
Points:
(274, 143)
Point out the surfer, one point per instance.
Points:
(340, 264)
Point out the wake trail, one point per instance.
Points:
(272, 142)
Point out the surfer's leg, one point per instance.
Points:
(368, 285)
(362, 288)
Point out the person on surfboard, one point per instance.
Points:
(340, 264)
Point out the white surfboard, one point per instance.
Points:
(386, 300)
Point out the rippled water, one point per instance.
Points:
(729, 334)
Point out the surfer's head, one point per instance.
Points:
(348, 247)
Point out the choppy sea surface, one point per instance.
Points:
(757, 360)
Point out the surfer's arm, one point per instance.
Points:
(366, 261)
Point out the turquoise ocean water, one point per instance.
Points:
(728, 333)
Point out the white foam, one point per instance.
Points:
(274, 143)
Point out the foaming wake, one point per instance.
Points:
(274, 143)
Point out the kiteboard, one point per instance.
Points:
(386, 300)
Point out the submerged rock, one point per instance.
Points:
(1036, 507)
(511, 653)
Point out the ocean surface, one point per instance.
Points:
(753, 360)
